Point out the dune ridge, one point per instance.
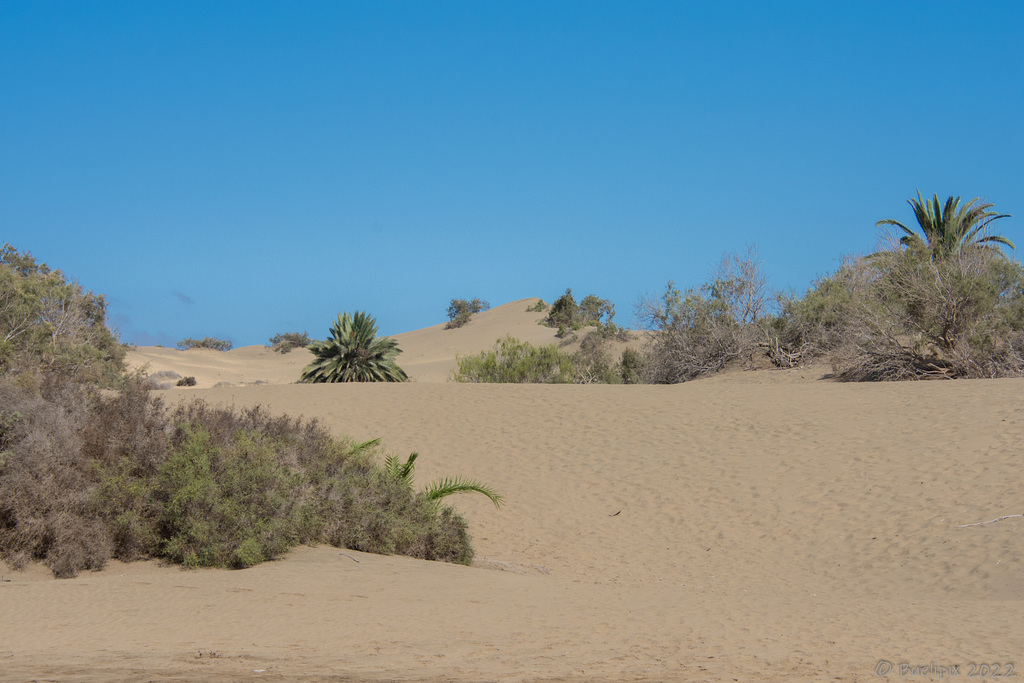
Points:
(753, 526)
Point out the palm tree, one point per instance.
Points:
(354, 354)
(949, 229)
(403, 471)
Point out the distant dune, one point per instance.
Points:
(753, 526)
(428, 355)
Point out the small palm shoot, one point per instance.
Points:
(442, 488)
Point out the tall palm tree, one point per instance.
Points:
(353, 353)
(949, 229)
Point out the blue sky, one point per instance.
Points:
(239, 169)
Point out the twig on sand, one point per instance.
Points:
(349, 557)
(997, 519)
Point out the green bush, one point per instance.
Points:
(204, 343)
(567, 316)
(284, 343)
(631, 366)
(516, 362)
(460, 311)
(52, 325)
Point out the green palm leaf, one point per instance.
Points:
(451, 485)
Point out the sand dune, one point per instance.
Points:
(755, 526)
(428, 355)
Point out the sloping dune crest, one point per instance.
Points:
(754, 526)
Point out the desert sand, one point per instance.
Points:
(753, 526)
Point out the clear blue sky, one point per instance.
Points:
(239, 169)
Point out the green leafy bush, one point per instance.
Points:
(566, 315)
(204, 343)
(50, 324)
(516, 362)
(631, 366)
(284, 343)
(460, 311)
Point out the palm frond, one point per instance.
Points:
(452, 485)
(401, 470)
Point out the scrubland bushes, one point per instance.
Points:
(945, 303)
(566, 315)
(700, 331)
(205, 343)
(512, 361)
(85, 477)
(285, 342)
(88, 474)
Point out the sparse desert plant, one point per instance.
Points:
(460, 311)
(538, 307)
(354, 353)
(700, 331)
(515, 362)
(592, 362)
(820, 324)
(285, 342)
(204, 343)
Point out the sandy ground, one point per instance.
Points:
(755, 526)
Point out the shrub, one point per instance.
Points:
(699, 332)
(908, 314)
(52, 325)
(961, 315)
(284, 343)
(204, 343)
(566, 315)
(460, 311)
(516, 362)
(631, 366)
(538, 307)
(86, 476)
(821, 323)
(592, 362)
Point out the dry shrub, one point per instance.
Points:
(958, 316)
(45, 503)
(699, 332)
(88, 475)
